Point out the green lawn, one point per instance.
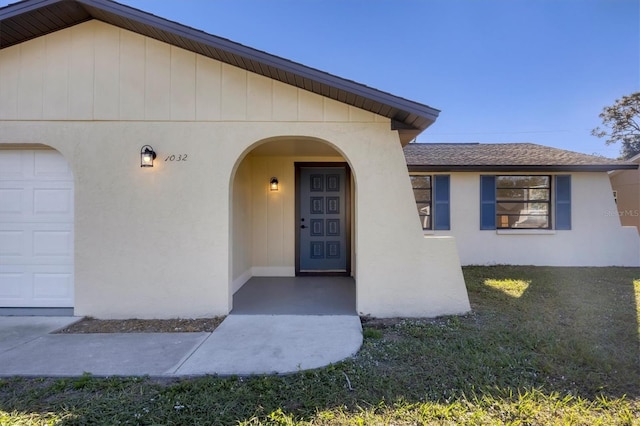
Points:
(542, 346)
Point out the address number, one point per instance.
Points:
(179, 157)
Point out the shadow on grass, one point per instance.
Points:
(568, 332)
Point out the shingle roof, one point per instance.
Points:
(28, 19)
(504, 157)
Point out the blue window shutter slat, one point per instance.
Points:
(563, 202)
(442, 215)
(487, 202)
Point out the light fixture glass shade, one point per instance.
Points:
(273, 184)
(147, 155)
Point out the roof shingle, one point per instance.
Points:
(504, 157)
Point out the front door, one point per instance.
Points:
(322, 217)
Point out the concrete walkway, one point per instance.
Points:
(242, 344)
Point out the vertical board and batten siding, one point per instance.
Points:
(95, 71)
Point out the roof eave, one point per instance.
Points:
(522, 168)
(415, 115)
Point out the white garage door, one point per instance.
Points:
(36, 229)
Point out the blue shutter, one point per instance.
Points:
(441, 220)
(487, 202)
(563, 202)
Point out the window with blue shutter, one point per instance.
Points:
(432, 195)
(487, 202)
(563, 202)
(442, 215)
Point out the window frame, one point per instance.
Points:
(430, 202)
(439, 201)
(528, 200)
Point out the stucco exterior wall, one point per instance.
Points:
(596, 237)
(173, 240)
(627, 184)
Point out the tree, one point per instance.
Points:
(623, 120)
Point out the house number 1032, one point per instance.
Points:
(179, 157)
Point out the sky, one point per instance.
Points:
(499, 70)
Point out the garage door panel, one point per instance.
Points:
(36, 286)
(36, 229)
(52, 202)
(12, 287)
(13, 165)
(13, 244)
(50, 286)
(36, 202)
(11, 201)
(50, 164)
(52, 243)
(36, 243)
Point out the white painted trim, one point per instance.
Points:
(525, 232)
(273, 271)
(240, 281)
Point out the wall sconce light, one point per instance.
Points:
(273, 184)
(147, 155)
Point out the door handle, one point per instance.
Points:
(303, 226)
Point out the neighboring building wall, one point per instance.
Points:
(595, 239)
(159, 242)
(627, 185)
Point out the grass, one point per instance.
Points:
(542, 346)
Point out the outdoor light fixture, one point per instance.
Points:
(147, 155)
(273, 184)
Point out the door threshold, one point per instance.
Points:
(336, 273)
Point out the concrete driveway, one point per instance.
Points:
(242, 344)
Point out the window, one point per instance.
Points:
(422, 192)
(432, 200)
(525, 202)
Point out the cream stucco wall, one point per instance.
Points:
(596, 237)
(177, 239)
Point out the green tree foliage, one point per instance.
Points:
(622, 120)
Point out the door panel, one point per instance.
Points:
(323, 229)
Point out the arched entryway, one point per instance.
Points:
(271, 229)
(37, 231)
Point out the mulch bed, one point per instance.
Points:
(178, 325)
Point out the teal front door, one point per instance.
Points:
(322, 217)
